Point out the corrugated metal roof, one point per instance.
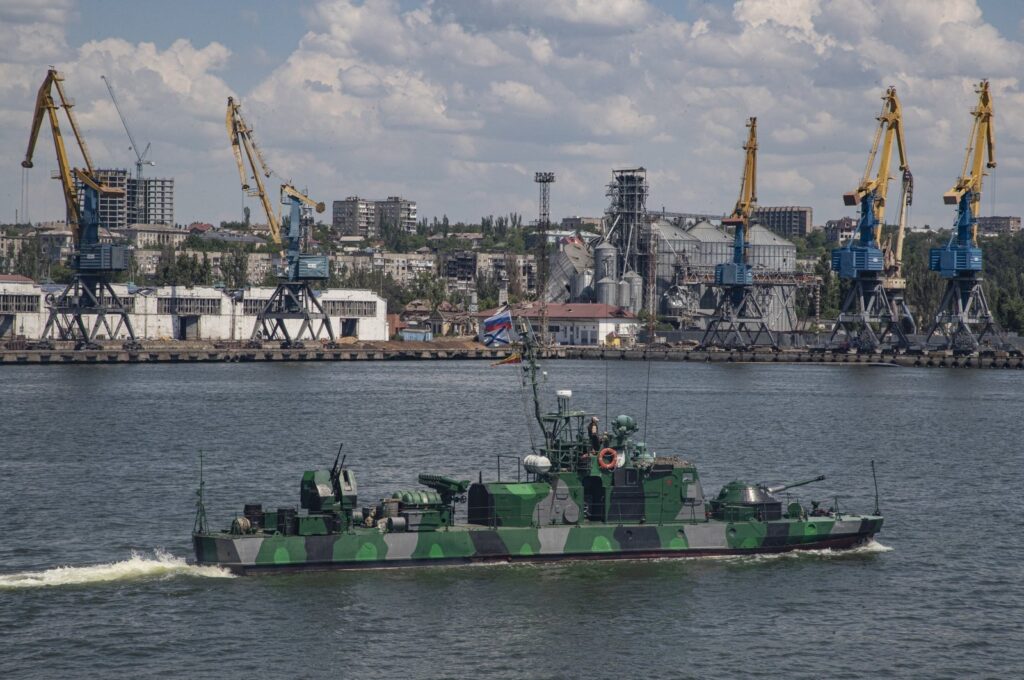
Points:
(759, 236)
(709, 233)
(671, 232)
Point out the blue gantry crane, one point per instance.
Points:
(293, 300)
(87, 308)
(874, 314)
(964, 322)
(739, 320)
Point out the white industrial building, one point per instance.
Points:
(579, 323)
(199, 313)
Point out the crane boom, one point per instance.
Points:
(890, 130)
(117, 107)
(47, 106)
(981, 140)
(240, 135)
(747, 201)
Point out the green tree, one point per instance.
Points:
(427, 286)
(234, 268)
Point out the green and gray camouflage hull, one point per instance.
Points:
(364, 548)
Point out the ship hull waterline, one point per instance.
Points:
(224, 551)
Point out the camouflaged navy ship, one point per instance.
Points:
(581, 495)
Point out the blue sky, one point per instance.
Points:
(455, 103)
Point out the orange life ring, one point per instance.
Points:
(607, 459)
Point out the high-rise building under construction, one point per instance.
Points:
(149, 200)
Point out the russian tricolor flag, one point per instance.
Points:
(498, 328)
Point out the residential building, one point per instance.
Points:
(840, 231)
(355, 217)
(155, 205)
(786, 220)
(577, 223)
(399, 212)
(993, 225)
(153, 235)
(364, 217)
(404, 268)
(146, 201)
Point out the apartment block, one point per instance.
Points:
(364, 217)
(786, 220)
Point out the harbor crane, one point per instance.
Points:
(140, 158)
(87, 308)
(964, 322)
(293, 299)
(874, 314)
(739, 320)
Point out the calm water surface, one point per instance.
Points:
(98, 468)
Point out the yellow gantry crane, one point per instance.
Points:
(86, 306)
(981, 140)
(739, 320)
(747, 200)
(241, 138)
(964, 320)
(47, 106)
(889, 132)
(293, 299)
(874, 314)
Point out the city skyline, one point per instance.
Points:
(455, 106)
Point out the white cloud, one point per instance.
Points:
(511, 94)
(455, 104)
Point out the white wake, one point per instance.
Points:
(160, 565)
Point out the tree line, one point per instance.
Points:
(1003, 261)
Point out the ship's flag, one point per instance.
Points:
(510, 359)
(498, 328)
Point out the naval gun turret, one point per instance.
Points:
(739, 501)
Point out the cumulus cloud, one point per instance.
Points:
(455, 104)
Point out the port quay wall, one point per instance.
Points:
(399, 351)
(167, 313)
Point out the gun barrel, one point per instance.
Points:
(783, 487)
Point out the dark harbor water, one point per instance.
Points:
(98, 467)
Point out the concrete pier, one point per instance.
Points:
(397, 351)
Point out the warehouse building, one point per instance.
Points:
(198, 313)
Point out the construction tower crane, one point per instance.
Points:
(293, 299)
(140, 159)
(964, 322)
(739, 320)
(875, 315)
(88, 307)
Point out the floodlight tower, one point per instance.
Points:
(544, 180)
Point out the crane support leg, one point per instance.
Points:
(87, 309)
(292, 300)
(739, 321)
(964, 322)
(871, 320)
